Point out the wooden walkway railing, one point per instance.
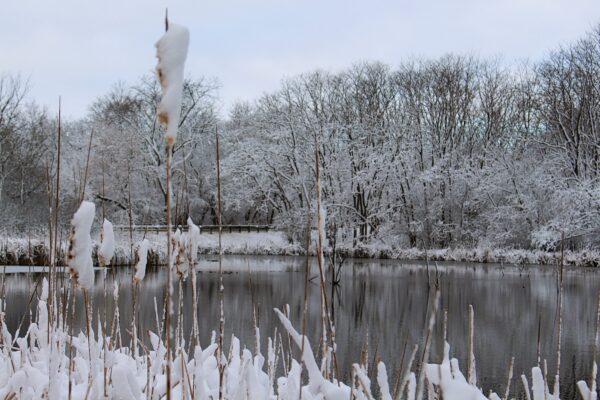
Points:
(203, 228)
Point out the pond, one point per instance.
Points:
(384, 303)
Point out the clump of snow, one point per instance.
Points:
(450, 380)
(79, 254)
(171, 51)
(140, 267)
(107, 244)
(185, 249)
(589, 392)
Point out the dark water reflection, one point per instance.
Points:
(388, 302)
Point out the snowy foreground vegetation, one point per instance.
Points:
(58, 364)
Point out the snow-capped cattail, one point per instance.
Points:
(79, 255)
(171, 51)
(193, 240)
(107, 244)
(140, 267)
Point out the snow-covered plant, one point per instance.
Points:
(140, 267)
(171, 51)
(107, 244)
(180, 254)
(79, 255)
(193, 240)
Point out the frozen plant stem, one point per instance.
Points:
(87, 164)
(305, 305)
(327, 323)
(171, 51)
(421, 381)
(471, 360)
(221, 287)
(169, 291)
(54, 250)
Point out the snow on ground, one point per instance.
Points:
(258, 243)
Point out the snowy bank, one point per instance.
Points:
(33, 251)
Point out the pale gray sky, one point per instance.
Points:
(79, 48)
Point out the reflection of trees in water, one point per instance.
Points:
(387, 300)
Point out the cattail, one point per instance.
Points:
(107, 244)
(79, 256)
(171, 51)
(193, 240)
(140, 267)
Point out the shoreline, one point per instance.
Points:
(33, 252)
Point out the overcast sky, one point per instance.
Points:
(79, 48)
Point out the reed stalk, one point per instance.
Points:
(72, 293)
(195, 329)
(509, 378)
(325, 314)
(406, 376)
(421, 379)
(87, 164)
(305, 302)
(169, 289)
(53, 253)
(471, 377)
(221, 287)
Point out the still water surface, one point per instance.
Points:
(385, 303)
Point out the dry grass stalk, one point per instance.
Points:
(471, 376)
(509, 378)
(328, 324)
(53, 250)
(406, 376)
(421, 380)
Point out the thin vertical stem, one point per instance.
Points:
(560, 302)
(53, 254)
(129, 206)
(169, 273)
(87, 164)
(49, 256)
(305, 305)
(195, 336)
(103, 194)
(421, 379)
(327, 322)
(471, 360)
(71, 336)
(221, 287)
(169, 149)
